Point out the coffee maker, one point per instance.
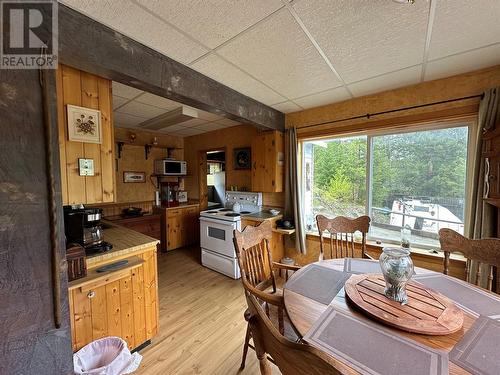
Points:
(83, 226)
(168, 192)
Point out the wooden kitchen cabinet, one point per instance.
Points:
(121, 303)
(491, 159)
(180, 227)
(268, 162)
(493, 177)
(75, 87)
(150, 225)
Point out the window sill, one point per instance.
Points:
(373, 245)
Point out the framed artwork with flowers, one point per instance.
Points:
(84, 124)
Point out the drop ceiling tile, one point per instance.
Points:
(172, 128)
(125, 91)
(221, 126)
(126, 120)
(130, 19)
(212, 22)
(216, 68)
(461, 25)
(287, 107)
(158, 101)
(227, 122)
(141, 110)
(189, 131)
(193, 122)
(363, 39)
(277, 52)
(464, 62)
(210, 126)
(388, 81)
(118, 101)
(326, 97)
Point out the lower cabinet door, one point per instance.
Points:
(117, 308)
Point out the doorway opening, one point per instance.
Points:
(216, 178)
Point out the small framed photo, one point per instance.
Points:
(84, 124)
(242, 158)
(134, 176)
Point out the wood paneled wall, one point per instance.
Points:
(231, 138)
(133, 160)
(87, 90)
(463, 85)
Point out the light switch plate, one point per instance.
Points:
(86, 167)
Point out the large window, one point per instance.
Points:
(414, 179)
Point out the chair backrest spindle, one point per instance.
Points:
(254, 259)
(485, 252)
(341, 232)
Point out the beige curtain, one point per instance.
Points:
(481, 223)
(293, 189)
(482, 215)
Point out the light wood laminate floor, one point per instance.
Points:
(201, 320)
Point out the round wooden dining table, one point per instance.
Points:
(304, 312)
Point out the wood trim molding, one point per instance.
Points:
(405, 120)
(115, 56)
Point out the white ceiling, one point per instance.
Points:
(131, 107)
(299, 54)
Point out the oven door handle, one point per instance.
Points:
(217, 221)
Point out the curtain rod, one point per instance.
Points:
(368, 115)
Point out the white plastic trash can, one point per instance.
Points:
(106, 356)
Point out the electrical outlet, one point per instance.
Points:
(86, 167)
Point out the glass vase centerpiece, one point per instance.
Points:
(397, 268)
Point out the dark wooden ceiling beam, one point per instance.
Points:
(91, 46)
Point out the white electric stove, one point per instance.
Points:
(217, 227)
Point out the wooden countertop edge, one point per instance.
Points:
(179, 207)
(274, 218)
(119, 254)
(249, 217)
(147, 243)
(93, 276)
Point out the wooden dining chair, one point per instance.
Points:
(341, 231)
(484, 252)
(290, 357)
(258, 276)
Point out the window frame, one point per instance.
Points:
(472, 128)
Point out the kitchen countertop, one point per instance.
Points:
(266, 215)
(261, 216)
(185, 205)
(122, 217)
(125, 241)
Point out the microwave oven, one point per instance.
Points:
(169, 167)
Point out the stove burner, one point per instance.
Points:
(232, 214)
(98, 248)
(211, 212)
(225, 210)
(245, 212)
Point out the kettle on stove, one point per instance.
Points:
(237, 207)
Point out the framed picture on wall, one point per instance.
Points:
(134, 176)
(84, 124)
(242, 158)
